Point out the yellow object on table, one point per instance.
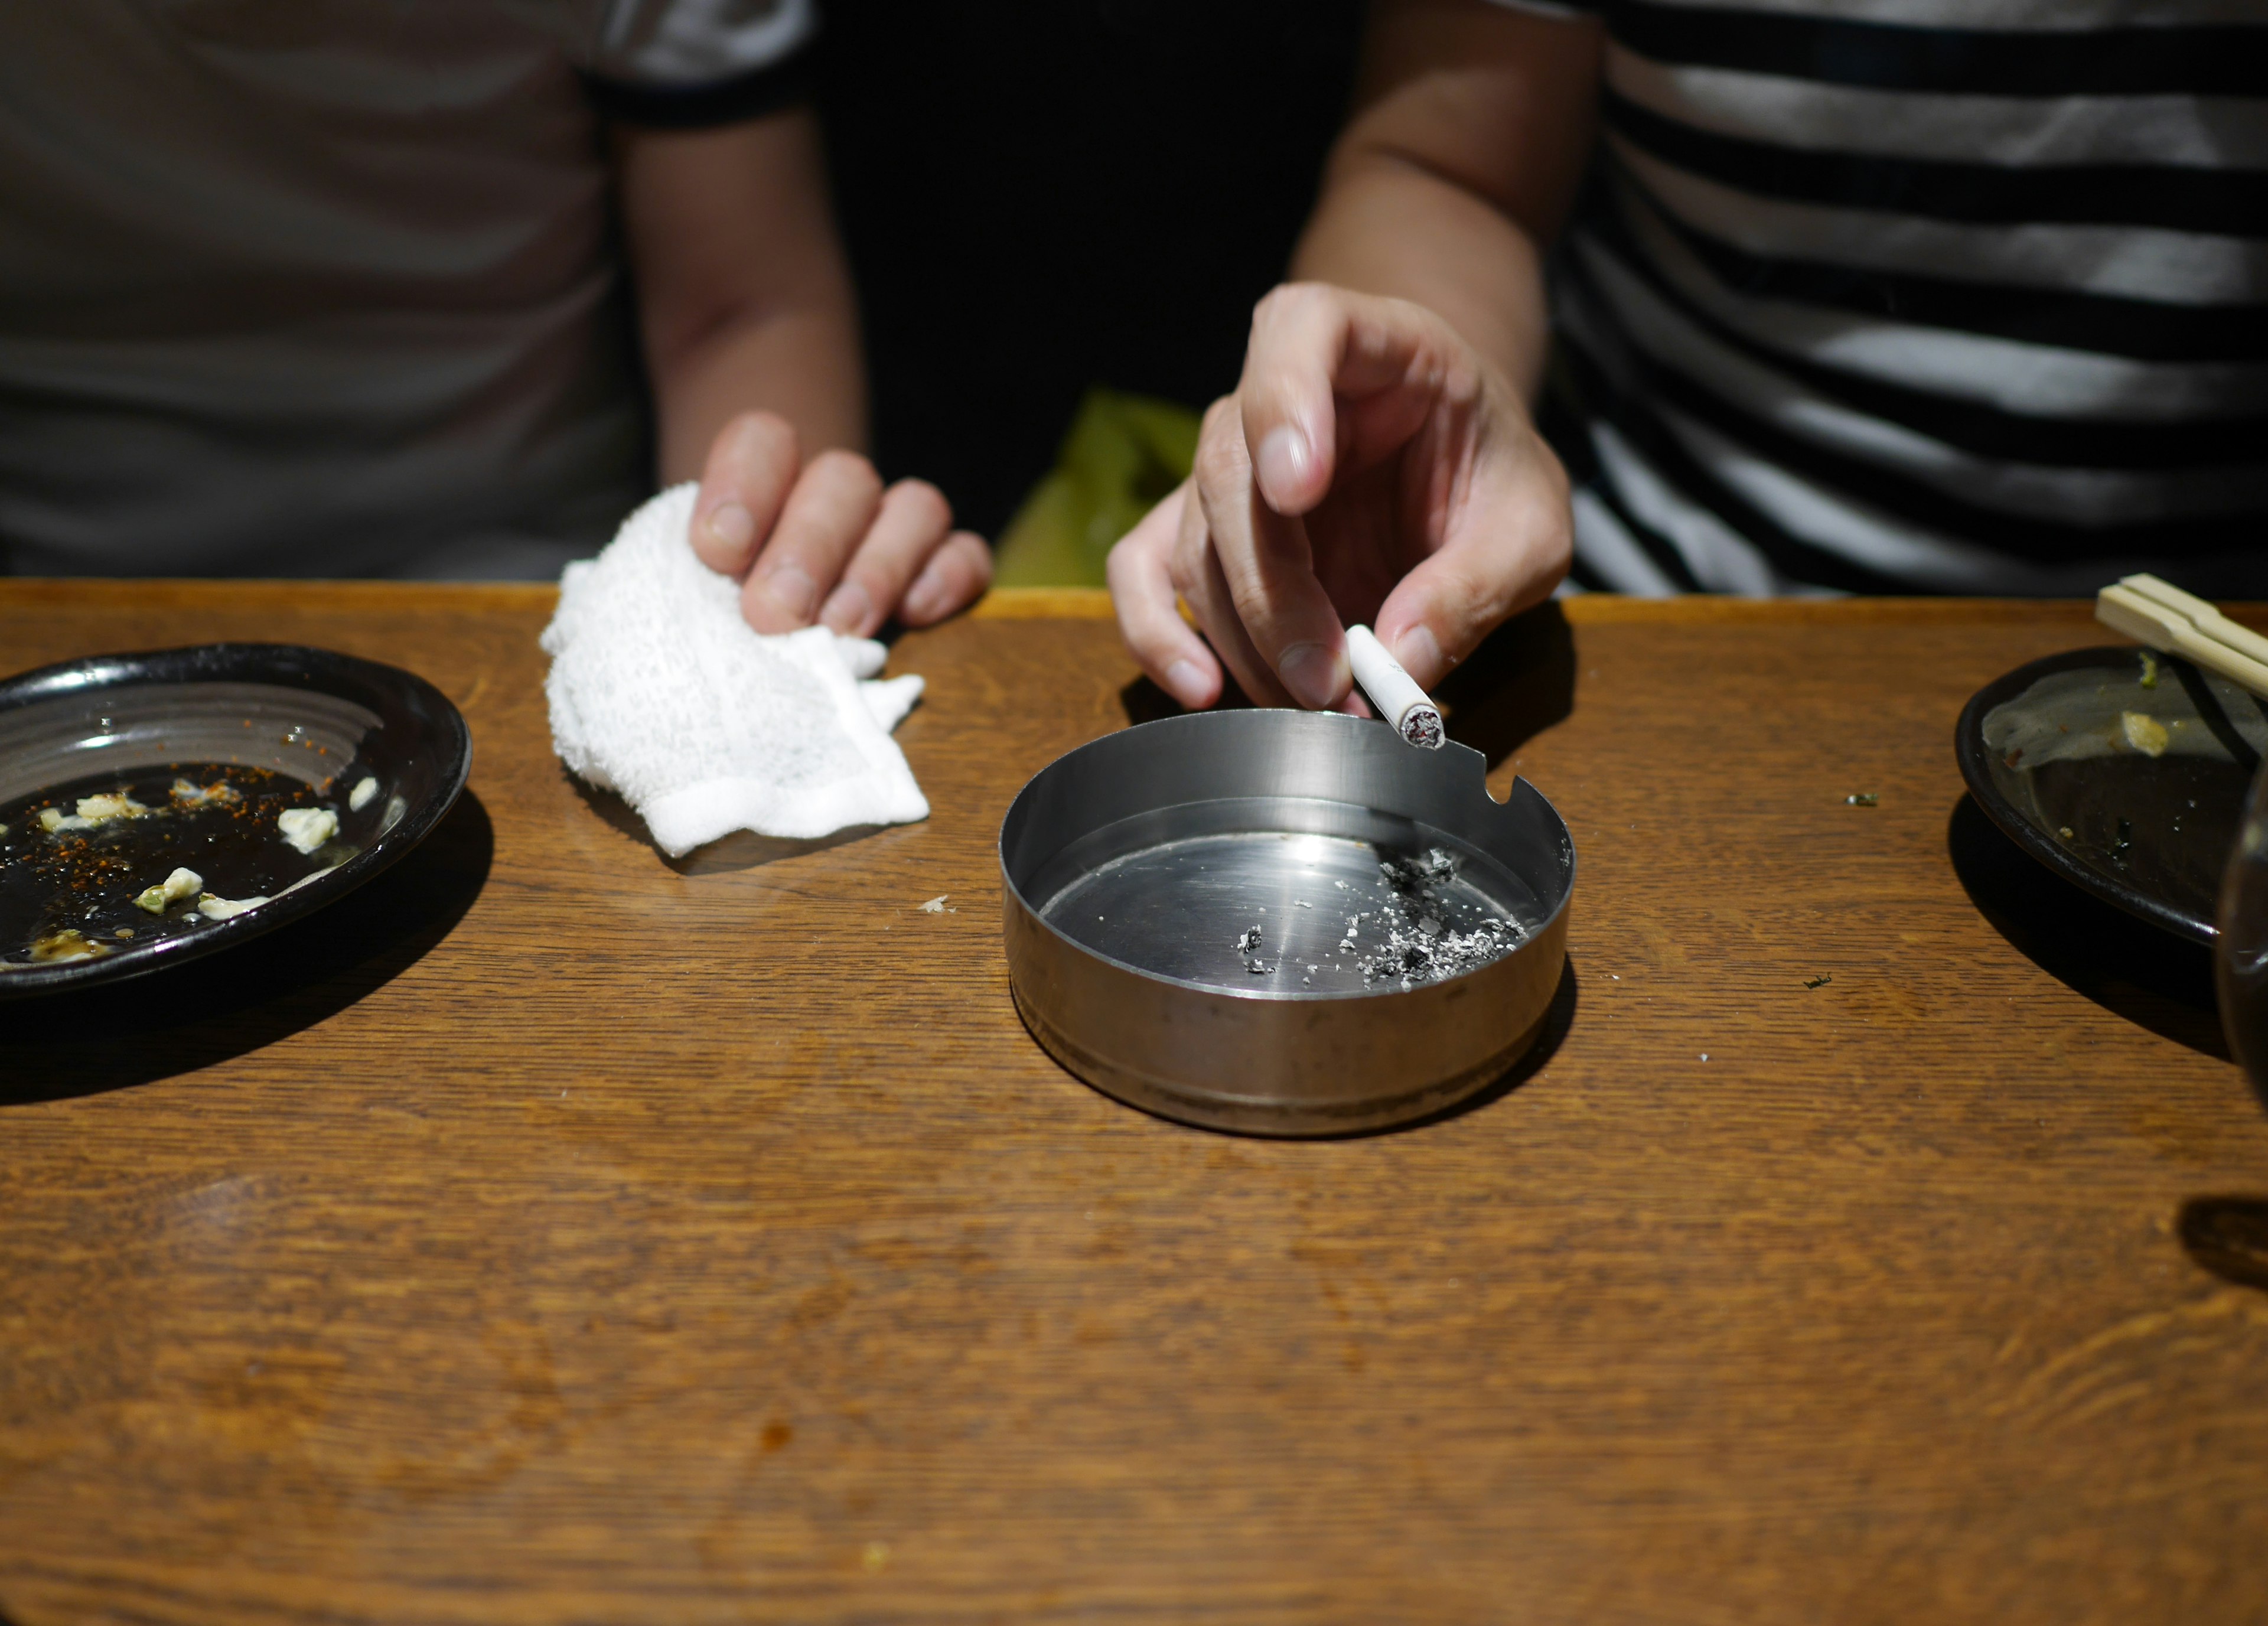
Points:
(1122, 455)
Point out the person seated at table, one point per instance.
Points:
(1854, 299)
(384, 290)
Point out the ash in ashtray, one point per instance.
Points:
(1411, 874)
(1418, 943)
(1317, 914)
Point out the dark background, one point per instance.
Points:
(1038, 197)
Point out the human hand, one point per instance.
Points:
(826, 542)
(1371, 466)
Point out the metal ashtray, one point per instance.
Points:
(1281, 923)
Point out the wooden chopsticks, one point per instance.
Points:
(2164, 617)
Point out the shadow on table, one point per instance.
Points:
(178, 1019)
(2150, 977)
(1520, 682)
(742, 850)
(1144, 702)
(2228, 1236)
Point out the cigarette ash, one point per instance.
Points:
(1411, 935)
(1421, 727)
(1417, 945)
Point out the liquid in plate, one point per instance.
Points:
(2137, 770)
(85, 880)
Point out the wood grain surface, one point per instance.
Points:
(554, 1233)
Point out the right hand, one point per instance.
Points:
(1371, 466)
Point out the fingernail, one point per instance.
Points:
(1282, 461)
(1419, 652)
(848, 607)
(1314, 674)
(925, 601)
(731, 525)
(790, 587)
(1187, 683)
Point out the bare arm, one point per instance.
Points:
(743, 297)
(1472, 127)
(751, 337)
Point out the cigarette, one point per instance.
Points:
(1393, 691)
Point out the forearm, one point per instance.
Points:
(1387, 225)
(743, 289)
(800, 361)
(1472, 130)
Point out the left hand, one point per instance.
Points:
(826, 542)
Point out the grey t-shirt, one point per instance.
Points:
(329, 287)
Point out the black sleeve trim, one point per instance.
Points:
(2128, 60)
(773, 88)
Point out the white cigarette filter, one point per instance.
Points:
(1393, 692)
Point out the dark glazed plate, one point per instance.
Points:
(2059, 753)
(280, 724)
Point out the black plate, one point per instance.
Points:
(2047, 755)
(316, 718)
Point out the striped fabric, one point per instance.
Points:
(1941, 296)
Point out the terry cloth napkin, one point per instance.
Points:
(661, 691)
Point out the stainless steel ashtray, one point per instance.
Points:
(1281, 923)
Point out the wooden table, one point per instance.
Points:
(554, 1233)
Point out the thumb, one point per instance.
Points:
(1508, 552)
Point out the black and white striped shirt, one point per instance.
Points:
(1960, 296)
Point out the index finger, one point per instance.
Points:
(823, 519)
(1317, 352)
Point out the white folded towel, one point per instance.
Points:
(659, 690)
